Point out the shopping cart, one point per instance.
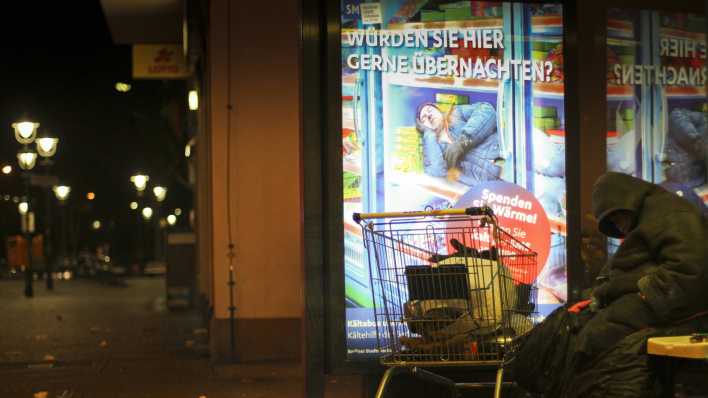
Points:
(450, 289)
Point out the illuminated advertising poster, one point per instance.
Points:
(656, 99)
(453, 104)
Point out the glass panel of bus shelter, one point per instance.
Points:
(445, 102)
(656, 100)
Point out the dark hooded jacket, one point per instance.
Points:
(663, 257)
(654, 285)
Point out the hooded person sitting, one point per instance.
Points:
(653, 285)
(660, 269)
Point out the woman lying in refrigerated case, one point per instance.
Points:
(461, 144)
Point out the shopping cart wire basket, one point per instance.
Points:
(450, 288)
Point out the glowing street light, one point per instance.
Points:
(90, 196)
(133, 205)
(25, 131)
(7, 169)
(27, 159)
(160, 193)
(23, 207)
(147, 213)
(178, 211)
(96, 225)
(62, 192)
(47, 146)
(122, 87)
(172, 219)
(140, 181)
(187, 151)
(193, 99)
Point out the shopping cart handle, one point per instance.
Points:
(470, 211)
(479, 211)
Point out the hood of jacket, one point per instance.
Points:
(617, 191)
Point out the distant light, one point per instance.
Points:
(23, 207)
(193, 99)
(107, 259)
(6, 198)
(163, 223)
(147, 213)
(96, 225)
(90, 196)
(172, 219)
(7, 169)
(123, 87)
(25, 131)
(160, 193)
(140, 181)
(47, 146)
(67, 275)
(61, 192)
(133, 205)
(187, 151)
(15, 199)
(178, 211)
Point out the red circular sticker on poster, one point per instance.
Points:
(520, 214)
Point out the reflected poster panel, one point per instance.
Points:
(656, 100)
(452, 104)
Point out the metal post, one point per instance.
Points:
(29, 290)
(139, 247)
(64, 231)
(157, 237)
(48, 253)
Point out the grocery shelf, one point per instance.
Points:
(552, 90)
(491, 23)
(441, 82)
(686, 92)
(683, 34)
(438, 186)
(620, 92)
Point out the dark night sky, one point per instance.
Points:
(62, 72)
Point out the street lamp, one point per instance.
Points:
(61, 192)
(140, 182)
(25, 131)
(172, 219)
(23, 208)
(27, 159)
(133, 205)
(147, 213)
(47, 146)
(160, 193)
(7, 169)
